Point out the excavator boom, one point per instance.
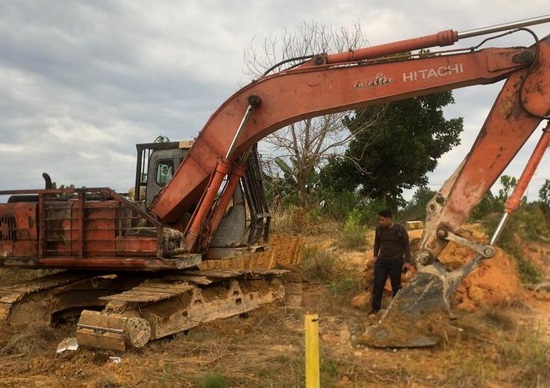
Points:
(312, 91)
(377, 75)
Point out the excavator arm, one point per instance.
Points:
(294, 95)
(369, 76)
(419, 315)
(340, 82)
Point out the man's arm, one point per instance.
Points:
(376, 248)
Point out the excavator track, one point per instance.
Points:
(118, 311)
(41, 299)
(12, 294)
(160, 307)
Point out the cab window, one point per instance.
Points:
(165, 170)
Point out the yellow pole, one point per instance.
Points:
(312, 351)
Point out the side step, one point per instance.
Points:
(163, 306)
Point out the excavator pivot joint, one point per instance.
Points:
(526, 56)
(484, 250)
(254, 101)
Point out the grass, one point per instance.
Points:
(213, 380)
(528, 271)
(527, 352)
(526, 227)
(499, 319)
(319, 264)
(288, 221)
(468, 369)
(496, 350)
(343, 285)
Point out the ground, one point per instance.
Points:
(503, 325)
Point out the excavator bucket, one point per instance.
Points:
(419, 315)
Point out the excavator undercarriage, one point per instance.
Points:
(122, 310)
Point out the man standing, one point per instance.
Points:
(391, 254)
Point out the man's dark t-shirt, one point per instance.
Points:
(392, 243)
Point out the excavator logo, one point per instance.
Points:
(380, 79)
(440, 71)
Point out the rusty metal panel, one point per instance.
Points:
(99, 228)
(57, 233)
(18, 230)
(22, 217)
(85, 229)
(70, 231)
(136, 246)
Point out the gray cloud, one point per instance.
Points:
(81, 82)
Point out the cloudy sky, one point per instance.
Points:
(81, 82)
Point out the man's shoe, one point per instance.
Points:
(373, 312)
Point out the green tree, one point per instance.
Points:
(488, 205)
(397, 152)
(416, 208)
(508, 184)
(281, 184)
(544, 193)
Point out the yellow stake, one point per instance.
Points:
(312, 351)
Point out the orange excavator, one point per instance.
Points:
(132, 263)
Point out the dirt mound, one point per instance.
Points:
(495, 282)
(284, 251)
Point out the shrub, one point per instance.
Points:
(344, 286)
(353, 233)
(519, 226)
(319, 264)
(292, 219)
(529, 272)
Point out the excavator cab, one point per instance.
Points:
(244, 227)
(155, 167)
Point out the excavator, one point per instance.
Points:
(131, 265)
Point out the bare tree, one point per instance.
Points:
(306, 145)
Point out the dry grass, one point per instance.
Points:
(10, 276)
(266, 348)
(28, 340)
